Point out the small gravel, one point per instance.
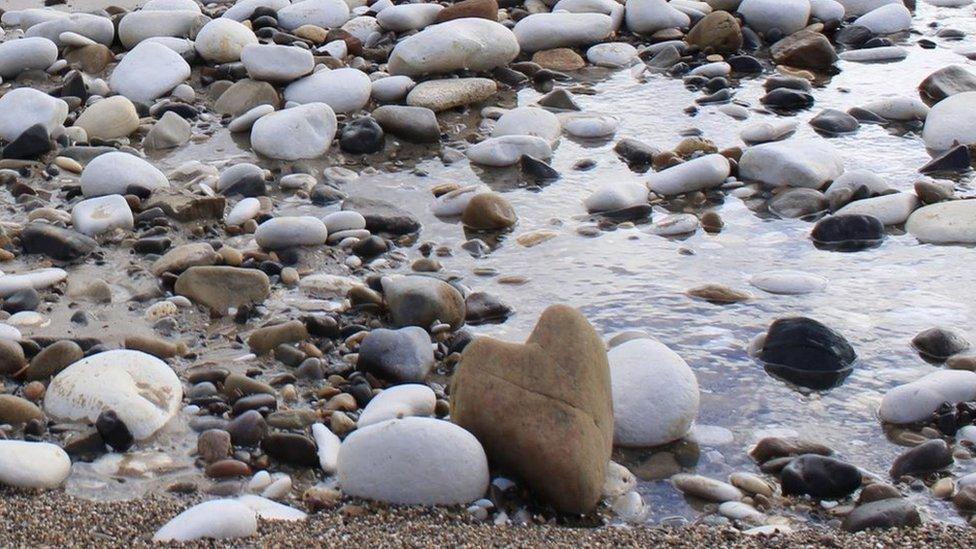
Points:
(54, 519)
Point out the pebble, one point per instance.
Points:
(344, 90)
(703, 173)
(918, 400)
(441, 95)
(399, 356)
(117, 172)
(487, 44)
(35, 465)
(276, 63)
(98, 215)
(507, 150)
(310, 128)
(796, 163)
(22, 108)
(944, 223)
(787, 282)
(222, 40)
(117, 380)
(215, 519)
(222, 287)
(285, 232)
(705, 488)
(649, 380)
(648, 17)
(148, 71)
(17, 56)
(413, 461)
(397, 402)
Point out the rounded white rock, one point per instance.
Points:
(285, 232)
(413, 461)
(17, 56)
(398, 402)
(345, 90)
(918, 400)
(143, 390)
(215, 519)
(544, 31)
(276, 63)
(508, 149)
(21, 108)
(32, 464)
(528, 121)
(222, 40)
(115, 172)
(655, 394)
(473, 44)
(104, 213)
(950, 121)
(301, 132)
(702, 173)
(244, 210)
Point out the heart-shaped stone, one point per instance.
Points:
(542, 410)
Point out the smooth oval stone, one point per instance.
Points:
(148, 71)
(807, 353)
(310, 129)
(142, 389)
(285, 232)
(98, 215)
(38, 280)
(418, 461)
(650, 16)
(613, 196)
(528, 121)
(706, 488)
(889, 209)
(244, 210)
(222, 40)
(788, 282)
(918, 400)
(546, 31)
(38, 465)
(835, 122)
(705, 172)
(215, 519)
(17, 56)
(117, 172)
(474, 44)
(440, 95)
(507, 150)
(398, 402)
(345, 90)
(875, 55)
(925, 458)
(786, 16)
(22, 108)
(655, 394)
(589, 125)
(276, 63)
(848, 232)
(952, 222)
(939, 343)
(820, 476)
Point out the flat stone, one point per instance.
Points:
(221, 288)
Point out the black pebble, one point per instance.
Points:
(113, 431)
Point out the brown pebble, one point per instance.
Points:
(155, 346)
(34, 391)
(341, 424)
(214, 445)
(318, 498)
(227, 468)
(263, 340)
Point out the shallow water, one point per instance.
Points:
(628, 279)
